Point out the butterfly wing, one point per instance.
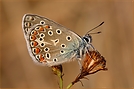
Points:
(48, 42)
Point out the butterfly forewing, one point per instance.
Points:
(48, 42)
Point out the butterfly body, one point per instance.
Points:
(51, 44)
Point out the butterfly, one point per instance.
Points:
(50, 43)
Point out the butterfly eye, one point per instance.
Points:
(87, 40)
(55, 59)
(50, 33)
(42, 22)
(68, 38)
(58, 31)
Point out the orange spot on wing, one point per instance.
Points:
(47, 26)
(42, 59)
(33, 37)
(41, 29)
(37, 50)
(35, 32)
(35, 43)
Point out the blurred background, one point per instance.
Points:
(115, 43)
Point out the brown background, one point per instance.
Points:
(116, 42)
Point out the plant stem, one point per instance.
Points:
(57, 70)
(69, 86)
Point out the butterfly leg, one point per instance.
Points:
(79, 63)
(90, 45)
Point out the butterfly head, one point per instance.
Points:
(87, 38)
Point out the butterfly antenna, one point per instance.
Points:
(96, 32)
(95, 28)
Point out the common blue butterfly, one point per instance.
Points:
(50, 44)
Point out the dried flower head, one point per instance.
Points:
(93, 62)
(57, 69)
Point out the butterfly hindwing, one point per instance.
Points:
(48, 42)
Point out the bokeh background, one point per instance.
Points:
(115, 43)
